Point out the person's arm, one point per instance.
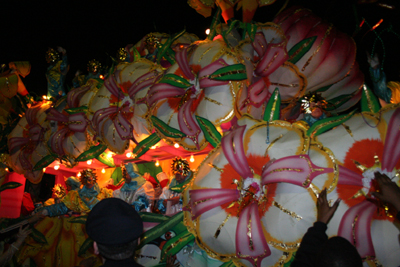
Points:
(389, 192)
(315, 236)
(14, 247)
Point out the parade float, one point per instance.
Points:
(258, 109)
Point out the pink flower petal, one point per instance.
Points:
(391, 150)
(349, 177)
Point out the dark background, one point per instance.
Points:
(96, 29)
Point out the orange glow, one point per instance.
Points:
(376, 25)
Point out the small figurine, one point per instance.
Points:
(56, 72)
(313, 105)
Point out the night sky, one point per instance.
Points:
(96, 29)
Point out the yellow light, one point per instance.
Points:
(44, 169)
(157, 163)
(44, 97)
(79, 174)
(110, 154)
(103, 171)
(56, 167)
(176, 145)
(129, 154)
(101, 77)
(208, 31)
(153, 147)
(7, 170)
(89, 162)
(191, 158)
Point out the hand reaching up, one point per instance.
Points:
(389, 192)
(325, 212)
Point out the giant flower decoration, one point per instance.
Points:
(203, 82)
(369, 142)
(319, 55)
(27, 142)
(254, 197)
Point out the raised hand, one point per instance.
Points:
(325, 212)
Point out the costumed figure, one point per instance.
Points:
(62, 237)
(93, 68)
(56, 72)
(136, 190)
(59, 192)
(72, 183)
(387, 92)
(80, 200)
(152, 44)
(313, 106)
(170, 200)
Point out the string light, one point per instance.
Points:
(79, 174)
(191, 158)
(89, 162)
(44, 169)
(129, 154)
(109, 154)
(7, 170)
(176, 145)
(101, 77)
(153, 147)
(208, 31)
(56, 167)
(157, 163)
(103, 170)
(44, 97)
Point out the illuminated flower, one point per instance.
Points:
(368, 143)
(203, 82)
(252, 200)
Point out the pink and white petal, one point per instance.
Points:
(386, 244)
(391, 150)
(76, 144)
(293, 212)
(110, 137)
(289, 16)
(290, 82)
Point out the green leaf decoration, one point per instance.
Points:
(175, 244)
(326, 124)
(117, 175)
(38, 236)
(9, 185)
(236, 72)
(336, 102)
(251, 30)
(369, 101)
(9, 85)
(153, 217)
(164, 49)
(231, 26)
(214, 24)
(228, 264)
(103, 158)
(300, 49)
(145, 145)
(165, 129)
(76, 110)
(80, 219)
(85, 246)
(136, 54)
(175, 80)
(210, 132)
(44, 162)
(91, 153)
(323, 89)
(273, 108)
(158, 230)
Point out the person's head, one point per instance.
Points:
(115, 227)
(338, 252)
(52, 56)
(88, 178)
(180, 168)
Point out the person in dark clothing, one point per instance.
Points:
(317, 250)
(115, 227)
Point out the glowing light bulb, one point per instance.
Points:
(103, 170)
(79, 174)
(157, 163)
(44, 97)
(89, 162)
(208, 31)
(110, 154)
(129, 154)
(44, 169)
(191, 158)
(7, 170)
(153, 147)
(56, 167)
(176, 145)
(101, 77)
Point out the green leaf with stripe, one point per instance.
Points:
(326, 124)
(44, 162)
(165, 129)
(300, 49)
(76, 110)
(92, 152)
(88, 243)
(369, 102)
(9, 185)
(145, 145)
(273, 108)
(236, 72)
(175, 80)
(210, 132)
(103, 158)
